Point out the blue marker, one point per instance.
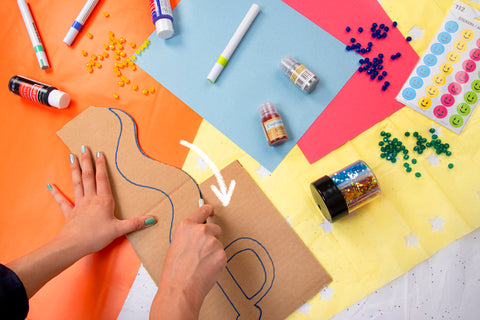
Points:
(79, 21)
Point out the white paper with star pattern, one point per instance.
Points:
(445, 83)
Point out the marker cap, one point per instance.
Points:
(215, 72)
(164, 28)
(58, 99)
(42, 60)
(70, 37)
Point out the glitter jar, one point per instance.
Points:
(302, 77)
(345, 190)
(272, 124)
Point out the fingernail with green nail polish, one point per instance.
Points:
(98, 154)
(149, 221)
(49, 186)
(72, 158)
(82, 148)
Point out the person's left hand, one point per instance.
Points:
(90, 222)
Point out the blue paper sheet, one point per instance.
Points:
(251, 77)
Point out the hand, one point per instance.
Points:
(193, 263)
(91, 221)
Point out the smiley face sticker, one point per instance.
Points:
(453, 56)
(416, 82)
(462, 77)
(447, 100)
(430, 60)
(454, 88)
(451, 26)
(467, 34)
(424, 71)
(464, 109)
(409, 94)
(475, 54)
(456, 121)
(446, 68)
(460, 46)
(476, 86)
(469, 65)
(439, 79)
(470, 97)
(437, 48)
(424, 102)
(440, 112)
(431, 91)
(444, 37)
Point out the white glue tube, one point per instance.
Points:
(79, 21)
(162, 18)
(233, 43)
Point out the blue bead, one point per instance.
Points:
(380, 67)
(360, 29)
(379, 36)
(358, 45)
(393, 57)
(369, 71)
(394, 23)
(373, 35)
(375, 59)
(380, 55)
(370, 44)
(378, 31)
(369, 64)
(387, 83)
(384, 88)
(360, 69)
(382, 26)
(353, 40)
(373, 76)
(384, 73)
(384, 35)
(386, 29)
(367, 60)
(358, 50)
(374, 25)
(363, 50)
(380, 61)
(361, 61)
(409, 38)
(380, 78)
(348, 29)
(398, 55)
(372, 29)
(376, 73)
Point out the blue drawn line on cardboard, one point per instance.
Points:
(252, 77)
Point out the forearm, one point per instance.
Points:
(38, 267)
(173, 304)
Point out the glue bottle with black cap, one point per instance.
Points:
(38, 92)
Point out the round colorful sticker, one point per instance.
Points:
(409, 94)
(440, 112)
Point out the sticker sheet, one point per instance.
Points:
(445, 83)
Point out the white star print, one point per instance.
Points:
(326, 225)
(326, 293)
(416, 33)
(438, 131)
(437, 223)
(412, 240)
(433, 159)
(263, 172)
(288, 221)
(202, 164)
(305, 309)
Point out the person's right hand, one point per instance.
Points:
(193, 263)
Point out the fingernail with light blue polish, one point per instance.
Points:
(72, 158)
(49, 186)
(82, 148)
(149, 221)
(98, 154)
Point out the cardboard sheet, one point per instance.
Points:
(270, 272)
(251, 76)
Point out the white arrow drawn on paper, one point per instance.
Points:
(224, 194)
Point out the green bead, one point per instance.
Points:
(420, 151)
(383, 155)
(381, 143)
(382, 133)
(434, 136)
(429, 144)
(409, 169)
(385, 139)
(388, 134)
(405, 157)
(446, 145)
(432, 130)
(450, 165)
(414, 161)
(415, 134)
(418, 174)
(405, 151)
(407, 134)
(394, 160)
(448, 153)
(406, 165)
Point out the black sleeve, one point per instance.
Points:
(13, 297)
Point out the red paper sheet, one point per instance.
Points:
(361, 103)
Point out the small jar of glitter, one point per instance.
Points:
(302, 77)
(345, 191)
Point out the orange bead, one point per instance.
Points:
(89, 35)
(145, 92)
(116, 96)
(151, 89)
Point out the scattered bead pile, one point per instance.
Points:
(394, 150)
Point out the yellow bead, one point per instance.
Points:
(137, 51)
(106, 14)
(89, 69)
(133, 67)
(105, 54)
(92, 63)
(112, 47)
(133, 58)
(145, 92)
(98, 65)
(122, 40)
(84, 53)
(118, 73)
(134, 87)
(117, 57)
(106, 46)
(100, 57)
(119, 46)
(127, 81)
(110, 34)
(121, 83)
(133, 45)
(123, 54)
(94, 57)
(116, 96)
(89, 35)
(151, 89)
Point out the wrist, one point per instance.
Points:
(177, 303)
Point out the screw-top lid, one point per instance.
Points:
(58, 99)
(329, 198)
(164, 28)
(266, 108)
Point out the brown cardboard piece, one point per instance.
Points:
(270, 272)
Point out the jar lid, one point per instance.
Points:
(329, 198)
